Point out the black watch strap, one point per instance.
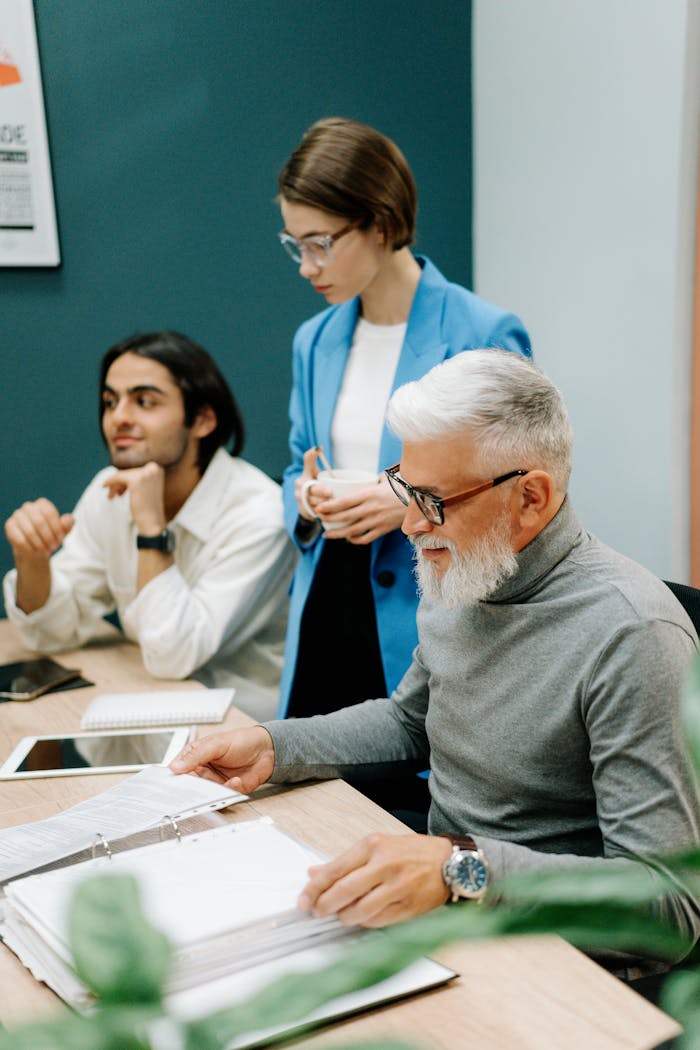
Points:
(164, 541)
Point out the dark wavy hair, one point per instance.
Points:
(198, 377)
(350, 169)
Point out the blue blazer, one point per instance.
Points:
(445, 319)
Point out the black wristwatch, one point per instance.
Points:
(466, 871)
(164, 541)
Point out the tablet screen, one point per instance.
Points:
(93, 752)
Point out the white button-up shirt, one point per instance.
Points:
(218, 614)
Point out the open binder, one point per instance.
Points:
(225, 897)
(130, 807)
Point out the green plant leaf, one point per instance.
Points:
(114, 1028)
(75, 1033)
(621, 881)
(381, 954)
(588, 925)
(118, 954)
(690, 712)
(680, 997)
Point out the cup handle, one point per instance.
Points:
(303, 499)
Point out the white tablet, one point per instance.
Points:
(71, 754)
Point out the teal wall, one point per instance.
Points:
(168, 122)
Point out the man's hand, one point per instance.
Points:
(36, 530)
(372, 511)
(242, 759)
(146, 486)
(381, 880)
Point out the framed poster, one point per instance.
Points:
(28, 235)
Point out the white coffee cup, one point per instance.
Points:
(341, 483)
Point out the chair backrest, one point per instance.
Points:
(689, 597)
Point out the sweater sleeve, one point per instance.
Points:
(377, 733)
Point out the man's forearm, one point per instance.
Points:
(33, 584)
(151, 563)
(364, 735)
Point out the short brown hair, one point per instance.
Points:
(349, 169)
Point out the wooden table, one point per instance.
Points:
(526, 993)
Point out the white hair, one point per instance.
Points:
(513, 412)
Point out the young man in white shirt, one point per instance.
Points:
(185, 541)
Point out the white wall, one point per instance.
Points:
(586, 144)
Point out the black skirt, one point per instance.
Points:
(338, 659)
(339, 663)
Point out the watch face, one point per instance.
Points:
(469, 872)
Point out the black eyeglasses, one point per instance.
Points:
(433, 507)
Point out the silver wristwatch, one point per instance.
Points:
(466, 871)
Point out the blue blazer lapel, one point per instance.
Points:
(423, 346)
(329, 364)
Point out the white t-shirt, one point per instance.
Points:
(357, 425)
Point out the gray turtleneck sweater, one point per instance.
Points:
(548, 716)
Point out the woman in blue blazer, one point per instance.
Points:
(349, 204)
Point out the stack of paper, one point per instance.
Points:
(225, 897)
(219, 895)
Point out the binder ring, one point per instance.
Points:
(167, 819)
(100, 840)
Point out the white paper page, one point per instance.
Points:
(194, 890)
(211, 995)
(139, 802)
(45, 965)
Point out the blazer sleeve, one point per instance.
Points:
(301, 437)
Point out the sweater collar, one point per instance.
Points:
(541, 555)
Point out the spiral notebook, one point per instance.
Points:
(162, 708)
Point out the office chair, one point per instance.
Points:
(689, 597)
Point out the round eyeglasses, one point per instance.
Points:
(318, 248)
(433, 507)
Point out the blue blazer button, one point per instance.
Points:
(386, 578)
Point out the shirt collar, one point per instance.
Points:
(199, 512)
(542, 554)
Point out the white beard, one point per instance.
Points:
(471, 577)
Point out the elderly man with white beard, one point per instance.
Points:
(543, 693)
